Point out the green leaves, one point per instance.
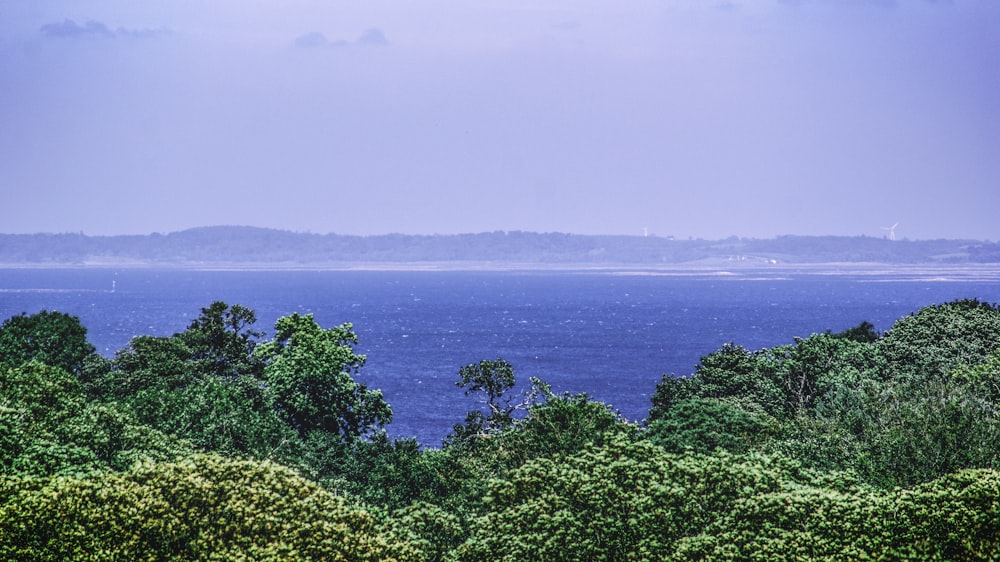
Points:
(432, 530)
(956, 517)
(916, 404)
(835, 447)
(493, 379)
(938, 339)
(173, 389)
(222, 340)
(53, 338)
(47, 426)
(704, 425)
(778, 383)
(309, 370)
(204, 507)
(623, 500)
(215, 385)
(929, 429)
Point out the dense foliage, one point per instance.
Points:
(201, 508)
(218, 444)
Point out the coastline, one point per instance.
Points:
(703, 268)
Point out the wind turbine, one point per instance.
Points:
(892, 231)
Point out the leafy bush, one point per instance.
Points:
(204, 507)
(956, 517)
(622, 500)
(47, 426)
(935, 340)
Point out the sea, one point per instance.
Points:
(610, 334)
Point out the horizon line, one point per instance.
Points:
(504, 231)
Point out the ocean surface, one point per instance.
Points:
(611, 335)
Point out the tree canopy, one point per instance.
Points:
(309, 371)
(54, 338)
(216, 443)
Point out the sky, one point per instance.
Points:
(684, 118)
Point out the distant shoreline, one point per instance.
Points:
(917, 272)
(246, 248)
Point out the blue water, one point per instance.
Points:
(611, 336)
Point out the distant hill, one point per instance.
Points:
(239, 246)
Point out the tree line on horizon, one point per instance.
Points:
(249, 245)
(218, 443)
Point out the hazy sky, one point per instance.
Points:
(704, 118)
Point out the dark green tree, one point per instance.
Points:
(204, 385)
(731, 372)
(148, 364)
(864, 332)
(389, 474)
(493, 379)
(54, 338)
(223, 341)
(48, 426)
(939, 338)
(704, 425)
(564, 424)
(818, 365)
(554, 425)
(927, 429)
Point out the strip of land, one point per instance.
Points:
(250, 248)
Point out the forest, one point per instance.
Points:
(217, 443)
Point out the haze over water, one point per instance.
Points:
(753, 118)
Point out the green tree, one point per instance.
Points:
(309, 371)
(434, 531)
(928, 429)
(619, 501)
(818, 365)
(703, 425)
(147, 364)
(956, 517)
(54, 338)
(731, 372)
(937, 339)
(204, 385)
(223, 341)
(219, 344)
(170, 389)
(984, 377)
(47, 426)
(781, 381)
(801, 523)
(383, 473)
(556, 425)
(199, 508)
(864, 332)
(493, 379)
(565, 424)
